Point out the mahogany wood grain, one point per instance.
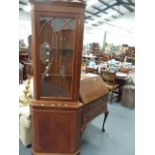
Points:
(55, 130)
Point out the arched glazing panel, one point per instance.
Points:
(56, 56)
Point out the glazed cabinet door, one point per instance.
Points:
(56, 55)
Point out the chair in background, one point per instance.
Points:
(111, 83)
(124, 70)
(91, 67)
(132, 60)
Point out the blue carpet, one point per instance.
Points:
(119, 138)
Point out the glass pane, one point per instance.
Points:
(56, 56)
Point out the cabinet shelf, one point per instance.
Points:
(63, 49)
(58, 75)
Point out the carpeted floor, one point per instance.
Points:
(119, 138)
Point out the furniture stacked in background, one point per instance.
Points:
(94, 48)
(110, 65)
(92, 64)
(89, 64)
(25, 59)
(119, 77)
(111, 51)
(131, 55)
(126, 54)
(123, 53)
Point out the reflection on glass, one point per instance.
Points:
(46, 58)
(56, 56)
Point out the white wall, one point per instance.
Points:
(119, 31)
(24, 26)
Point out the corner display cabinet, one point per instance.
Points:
(57, 37)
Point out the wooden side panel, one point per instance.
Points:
(55, 130)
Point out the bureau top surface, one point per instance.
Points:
(92, 87)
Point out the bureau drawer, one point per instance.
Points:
(100, 102)
(93, 110)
